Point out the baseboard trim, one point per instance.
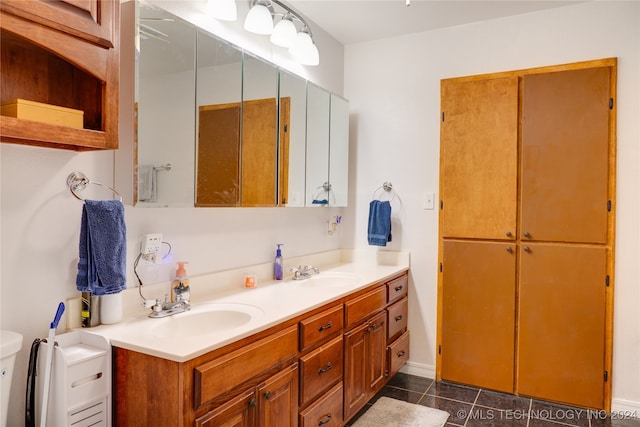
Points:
(419, 370)
(619, 407)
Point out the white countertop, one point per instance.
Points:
(270, 303)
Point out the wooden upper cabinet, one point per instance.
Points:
(565, 155)
(92, 20)
(479, 158)
(63, 54)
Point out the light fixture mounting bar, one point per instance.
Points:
(295, 14)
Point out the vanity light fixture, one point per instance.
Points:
(225, 10)
(260, 20)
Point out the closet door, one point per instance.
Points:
(565, 155)
(478, 313)
(561, 325)
(478, 158)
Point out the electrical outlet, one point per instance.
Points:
(151, 244)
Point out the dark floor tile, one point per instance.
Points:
(453, 391)
(410, 382)
(559, 413)
(398, 394)
(537, 422)
(458, 411)
(615, 419)
(494, 399)
(491, 417)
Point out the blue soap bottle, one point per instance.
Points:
(277, 264)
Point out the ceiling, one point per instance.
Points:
(355, 21)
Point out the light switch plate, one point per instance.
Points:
(428, 201)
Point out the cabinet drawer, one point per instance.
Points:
(229, 371)
(365, 305)
(326, 412)
(320, 369)
(397, 318)
(398, 353)
(316, 328)
(397, 288)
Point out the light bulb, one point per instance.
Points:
(259, 20)
(304, 50)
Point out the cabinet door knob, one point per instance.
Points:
(509, 249)
(252, 403)
(326, 419)
(527, 249)
(527, 234)
(267, 395)
(509, 234)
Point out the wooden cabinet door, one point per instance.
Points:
(565, 155)
(237, 412)
(561, 325)
(278, 399)
(479, 158)
(92, 20)
(377, 351)
(478, 313)
(355, 370)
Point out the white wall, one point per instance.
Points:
(40, 219)
(393, 85)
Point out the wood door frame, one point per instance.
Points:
(610, 244)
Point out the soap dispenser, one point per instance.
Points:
(278, 264)
(180, 290)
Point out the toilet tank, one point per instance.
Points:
(10, 344)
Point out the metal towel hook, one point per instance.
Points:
(77, 181)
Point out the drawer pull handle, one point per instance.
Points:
(326, 420)
(323, 370)
(527, 249)
(399, 288)
(252, 403)
(267, 395)
(325, 327)
(398, 318)
(509, 249)
(401, 353)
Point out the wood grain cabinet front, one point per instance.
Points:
(321, 326)
(320, 369)
(326, 411)
(397, 315)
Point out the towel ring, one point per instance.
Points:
(387, 187)
(77, 181)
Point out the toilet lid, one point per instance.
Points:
(10, 343)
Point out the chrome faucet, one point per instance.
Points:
(302, 273)
(168, 308)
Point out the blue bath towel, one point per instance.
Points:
(379, 223)
(103, 248)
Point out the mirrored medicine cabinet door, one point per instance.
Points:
(219, 127)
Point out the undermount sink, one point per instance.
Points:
(205, 319)
(333, 279)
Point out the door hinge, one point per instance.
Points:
(606, 280)
(441, 205)
(286, 128)
(609, 205)
(443, 116)
(386, 373)
(611, 103)
(606, 376)
(440, 349)
(440, 267)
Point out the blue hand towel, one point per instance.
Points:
(379, 222)
(103, 248)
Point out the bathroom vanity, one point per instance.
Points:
(314, 353)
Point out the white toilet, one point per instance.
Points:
(10, 344)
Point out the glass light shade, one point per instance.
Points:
(304, 50)
(259, 20)
(284, 33)
(224, 10)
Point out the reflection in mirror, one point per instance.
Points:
(318, 189)
(339, 150)
(164, 98)
(294, 89)
(218, 98)
(259, 153)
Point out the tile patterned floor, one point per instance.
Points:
(471, 407)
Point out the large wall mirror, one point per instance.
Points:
(219, 127)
